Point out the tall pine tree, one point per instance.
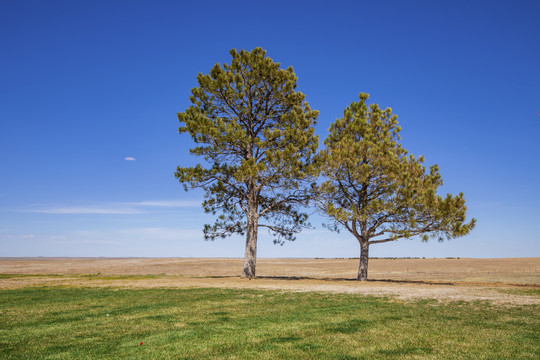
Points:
(376, 190)
(255, 133)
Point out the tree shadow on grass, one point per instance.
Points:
(353, 280)
(297, 278)
(330, 279)
(421, 282)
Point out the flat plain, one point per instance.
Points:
(502, 281)
(174, 308)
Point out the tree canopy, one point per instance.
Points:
(255, 133)
(376, 190)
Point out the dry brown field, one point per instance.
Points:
(508, 280)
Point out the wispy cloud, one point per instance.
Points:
(162, 234)
(116, 208)
(21, 237)
(86, 210)
(129, 158)
(167, 203)
(132, 235)
(85, 241)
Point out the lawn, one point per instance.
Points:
(103, 323)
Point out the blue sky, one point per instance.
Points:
(90, 91)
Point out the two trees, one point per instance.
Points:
(256, 132)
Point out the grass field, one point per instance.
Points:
(296, 309)
(103, 323)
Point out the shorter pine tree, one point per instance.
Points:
(376, 190)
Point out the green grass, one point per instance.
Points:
(72, 323)
(525, 291)
(98, 276)
(17, 276)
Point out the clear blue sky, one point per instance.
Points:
(87, 85)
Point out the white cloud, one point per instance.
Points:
(129, 158)
(162, 234)
(86, 241)
(115, 208)
(21, 237)
(87, 210)
(134, 235)
(168, 203)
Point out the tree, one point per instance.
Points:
(255, 132)
(378, 192)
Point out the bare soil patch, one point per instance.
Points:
(496, 280)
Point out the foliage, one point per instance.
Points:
(376, 190)
(255, 132)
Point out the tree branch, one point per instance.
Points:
(382, 241)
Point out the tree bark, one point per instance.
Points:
(364, 259)
(250, 256)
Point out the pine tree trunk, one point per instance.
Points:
(364, 259)
(250, 257)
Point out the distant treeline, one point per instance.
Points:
(386, 258)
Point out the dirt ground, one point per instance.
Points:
(502, 281)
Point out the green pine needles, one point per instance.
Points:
(376, 190)
(256, 135)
